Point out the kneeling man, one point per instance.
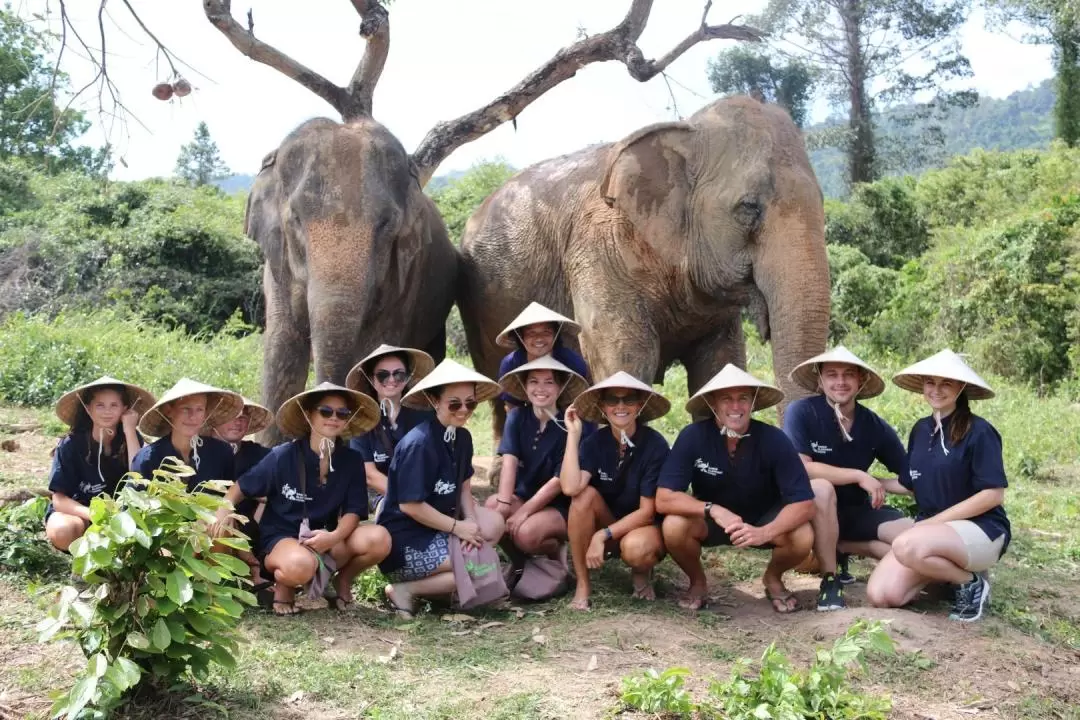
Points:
(732, 480)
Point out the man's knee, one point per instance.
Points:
(800, 540)
(680, 531)
(641, 549)
(880, 594)
(824, 494)
(906, 549)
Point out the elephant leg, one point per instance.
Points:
(708, 356)
(286, 352)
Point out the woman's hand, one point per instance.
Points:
(572, 421)
(320, 541)
(222, 522)
(515, 521)
(469, 532)
(504, 507)
(130, 420)
(594, 558)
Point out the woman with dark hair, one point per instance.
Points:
(95, 454)
(315, 496)
(428, 495)
(957, 474)
(385, 375)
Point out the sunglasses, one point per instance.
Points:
(398, 375)
(626, 400)
(328, 412)
(455, 405)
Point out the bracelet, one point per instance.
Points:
(607, 533)
(502, 502)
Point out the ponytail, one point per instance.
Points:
(960, 422)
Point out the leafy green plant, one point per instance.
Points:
(160, 603)
(22, 549)
(658, 692)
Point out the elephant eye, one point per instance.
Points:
(749, 213)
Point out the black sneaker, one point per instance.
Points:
(842, 573)
(971, 598)
(831, 594)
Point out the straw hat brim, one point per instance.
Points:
(805, 375)
(221, 406)
(913, 382)
(588, 407)
(419, 361)
(67, 407)
(513, 382)
(449, 372)
(291, 415)
(532, 315)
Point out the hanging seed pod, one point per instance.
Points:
(163, 91)
(182, 88)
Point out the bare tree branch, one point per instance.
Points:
(619, 43)
(375, 29)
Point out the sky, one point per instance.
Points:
(446, 58)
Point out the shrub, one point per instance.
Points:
(22, 548)
(882, 219)
(860, 291)
(160, 603)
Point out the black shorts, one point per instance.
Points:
(859, 523)
(718, 537)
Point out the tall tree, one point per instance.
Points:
(32, 125)
(199, 162)
(871, 54)
(750, 71)
(1056, 23)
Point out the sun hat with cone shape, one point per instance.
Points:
(805, 374)
(534, 313)
(259, 417)
(588, 402)
(449, 372)
(420, 364)
(67, 407)
(732, 377)
(221, 406)
(945, 364)
(513, 382)
(291, 416)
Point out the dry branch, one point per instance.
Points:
(619, 44)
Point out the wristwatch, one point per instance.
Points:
(708, 510)
(607, 533)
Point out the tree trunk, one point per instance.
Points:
(861, 145)
(1067, 60)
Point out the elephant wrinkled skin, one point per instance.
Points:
(656, 243)
(356, 254)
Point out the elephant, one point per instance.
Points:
(355, 255)
(655, 244)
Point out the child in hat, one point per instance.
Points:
(428, 493)
(734, 480)
(956, 471)
(315, 497)
(612, 481)
(96, 453)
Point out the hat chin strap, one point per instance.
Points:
(388, 410)
(939, 428)
(196, 443)
(326, 444)
(450, 433)
(840, 418)
(547, 411)
(235, 446)
(101, 445)
(623, 437)
(724, 429)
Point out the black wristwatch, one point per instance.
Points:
(708, 508)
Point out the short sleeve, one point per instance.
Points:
(987, 466)
(679, 467)
(411, 471)
(363, 446)
(798, 421)
(789, 472)
(905, 479)
(650, 469)
(260, 479)
(62, 474)
(890, 451)
(356, 497)
(510, 442)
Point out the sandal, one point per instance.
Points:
(402, 612)
(784, 599)
(290, 604)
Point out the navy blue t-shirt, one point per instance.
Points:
(539, 453)
(814, 431)
(377, 445)
(75, 468)
(216, 460)
(941, 481)
(764, 472)
(622, 491)
(277, 478)
(425, 468)
(519, 357)
(248, 456)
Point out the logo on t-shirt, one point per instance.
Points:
(291, 493)
(707, 469)
(444, 488)
(820, 449)
(380, 457)
(914, 474)
(91, 488)
(604, 477)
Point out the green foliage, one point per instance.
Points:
(161, 605)
(748, 70)
(199, 162)
(22, 548)
(42, 358)
(881, 219)
(658, 692)
(460, 197)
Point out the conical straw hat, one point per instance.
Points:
(946, 364)
(805, 374)
(588, 402)
(733, 377)
(449, 372)
(221, 406)
(534, 313)
(260, 417)
(67, 407)
(419, 365)
(513, 382)
(291, 415)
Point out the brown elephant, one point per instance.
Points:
(356, 254)
(656, 243)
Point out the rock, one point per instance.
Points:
(9, 446)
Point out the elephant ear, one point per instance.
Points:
(647, 179)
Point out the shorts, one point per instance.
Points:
(421, 563)
(717, 536)
(859, 523)
(983, 553)
(560, 503)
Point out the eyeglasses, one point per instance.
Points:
(615, 400)
(455, 405)
(328, 412)
(398, 375)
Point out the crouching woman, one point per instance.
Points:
(316, 495)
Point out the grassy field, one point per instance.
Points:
(546, 661)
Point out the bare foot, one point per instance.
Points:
(580, 603)
(284, 598)
(643, 587)
(400, 601)
(693, 599)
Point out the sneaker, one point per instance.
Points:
(971, 598)
(831, 594)
(842, 573)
